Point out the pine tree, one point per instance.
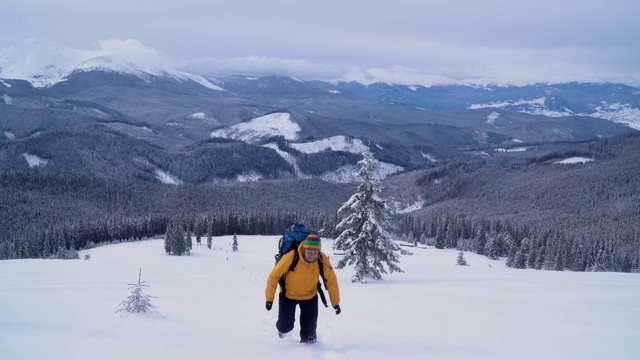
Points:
(531, 259)
(209, 235)
(481, 240)
(504, 241)
(188, 245)
(461, 260)
(199, 229)
(559, 259)
(520, 260)
(512, 254)
(168, 238)
(179, 241)
(138, 301)
(423, 240)
(558, 265)
(579, 257)
(362, 238)
(235, 243)
(175, 242)
(542, 254)
(600, 263)
(491, 249)
(440, 238)
(451, 235)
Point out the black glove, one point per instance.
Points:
(338, 311)
(269, 305)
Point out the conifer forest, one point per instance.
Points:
(581, 217)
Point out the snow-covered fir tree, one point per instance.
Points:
(491, 248)
(600, 263)
(558, 264)
(542, 255)
(175, 242)
(199, 229)
(189, 243)
(481, 241)
(234, 246)
(209, 235)
(513, 250)
(363, 238)
(520, 260)
(138, 301)
(531, 259)
(579, 262)
(440, 237)
(423, 240)
(461, 260)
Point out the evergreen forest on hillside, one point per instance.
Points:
(71, 210)
(537, 214)
(581, 216)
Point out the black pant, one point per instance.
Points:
(308, 316)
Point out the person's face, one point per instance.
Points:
(311, 255)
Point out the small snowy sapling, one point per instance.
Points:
(138, 301)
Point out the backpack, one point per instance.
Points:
(290, 241)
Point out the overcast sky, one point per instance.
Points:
(421, 41)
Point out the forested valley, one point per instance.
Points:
(536, 213)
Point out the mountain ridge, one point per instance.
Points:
(104, 93)
(44, 64)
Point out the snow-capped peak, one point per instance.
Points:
(40, 62)
(44, 63)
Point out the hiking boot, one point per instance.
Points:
(308, 339)
(281, 335)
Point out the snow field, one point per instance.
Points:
(211, 305)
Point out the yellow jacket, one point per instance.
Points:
(302, 282)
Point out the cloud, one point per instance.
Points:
(134, 51)
(429, 63)
(261, 66)
(395, 75)
(404, 41)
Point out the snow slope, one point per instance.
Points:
(344, 174)
(335, 143)
(275, 124)
(211, 305)
(34, 160)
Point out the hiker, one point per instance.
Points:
(302, 288)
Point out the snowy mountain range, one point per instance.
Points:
(617, 112)
(45, 64)
(313, 128)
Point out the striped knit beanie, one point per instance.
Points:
(312, 242)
